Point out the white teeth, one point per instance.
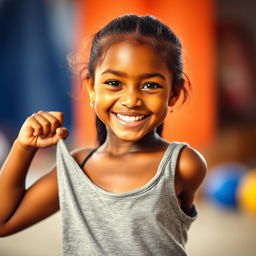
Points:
(130, 118)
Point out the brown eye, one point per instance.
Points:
(151, 85)
(114, 83)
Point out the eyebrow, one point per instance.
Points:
(122, 74)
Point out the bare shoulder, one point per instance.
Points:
(191, 168)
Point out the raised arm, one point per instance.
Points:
(21, 208)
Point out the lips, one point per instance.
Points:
(130, 119)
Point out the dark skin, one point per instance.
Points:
(129, 141)
(24, 208)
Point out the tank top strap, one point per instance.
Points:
(171, 158)
(176, 150)
(87, 157)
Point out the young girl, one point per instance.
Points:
(134, 193)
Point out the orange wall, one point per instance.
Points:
(193, 122)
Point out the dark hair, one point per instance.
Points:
(145, 30)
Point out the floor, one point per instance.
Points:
(215, 232)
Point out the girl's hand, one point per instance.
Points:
(42, 129)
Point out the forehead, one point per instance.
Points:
(132, 56)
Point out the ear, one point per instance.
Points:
(90, 88)
(174, 96)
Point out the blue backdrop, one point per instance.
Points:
(35, 38)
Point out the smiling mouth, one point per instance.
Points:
(130, 118)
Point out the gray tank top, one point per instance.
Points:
(145, 221)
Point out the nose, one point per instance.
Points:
(131, 98)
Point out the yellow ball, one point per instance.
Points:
(247, 192)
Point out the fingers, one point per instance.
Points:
(62, 132)
(58, 115)
(35, 125)
(46, 123)
(42, 129)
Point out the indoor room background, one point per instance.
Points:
(37, 37)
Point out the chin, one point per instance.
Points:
(129, 137)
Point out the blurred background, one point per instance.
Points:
(219, 119)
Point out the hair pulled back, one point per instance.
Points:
(145, 30)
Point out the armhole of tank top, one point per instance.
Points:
(185, 218)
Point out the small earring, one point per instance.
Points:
(91, 104)
(172, 111)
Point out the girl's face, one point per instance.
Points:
(131, 90)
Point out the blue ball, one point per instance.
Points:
(222, 183)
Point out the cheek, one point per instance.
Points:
(159, 104)
(103, 102)
(160, 108)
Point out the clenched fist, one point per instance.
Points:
(42, 129)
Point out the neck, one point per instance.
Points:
(150, 142)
